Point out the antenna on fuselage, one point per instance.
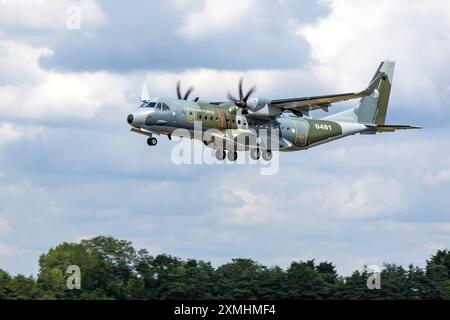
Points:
(145, 96)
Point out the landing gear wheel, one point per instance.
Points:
(267, 155)
(255, 154)
(232, 155)
(152, 141)
(220, 155)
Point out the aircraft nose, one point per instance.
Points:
(130, 119)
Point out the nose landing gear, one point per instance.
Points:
(152, 141)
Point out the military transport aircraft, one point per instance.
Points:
(255, 117)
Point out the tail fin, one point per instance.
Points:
(372, 109)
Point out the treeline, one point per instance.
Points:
(113, 269)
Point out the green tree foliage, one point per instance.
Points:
(438, 276)
(239, 279)
(113, 269)
(304, 281)
(5, 280)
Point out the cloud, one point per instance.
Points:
(214, 18)
(431, 247)
(41, 94)
(442, 176)
(20, 63)
(366, 197)
(10, 133)
(5, 250)
(181, 35)
(239, 205)
(48, 14)
(4, 226)
(348, 44)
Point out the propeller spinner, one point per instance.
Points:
(242, 101)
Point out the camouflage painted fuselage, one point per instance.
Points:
(267, 125)
(168, 116)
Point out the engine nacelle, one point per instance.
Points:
(261, 108)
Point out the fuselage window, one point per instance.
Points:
(239, 121)
(217, 119)
(206, 117)
(199, 117)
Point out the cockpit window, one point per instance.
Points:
(146, 104)
(158, 106)
(165, 107)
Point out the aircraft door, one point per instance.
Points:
(301, 132)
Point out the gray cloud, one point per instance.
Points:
(145, 36)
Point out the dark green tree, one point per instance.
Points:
(272, 284)
(353, 287)
(239, 279)
(116, 259)
(438, 276)
(113, 269)
(304, 281)
(23, 288)
(5, 280)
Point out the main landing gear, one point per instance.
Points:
(220, 155)
(152, 141)
(254, 154)
(231, 155)
(267, 155)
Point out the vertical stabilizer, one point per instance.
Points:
(373, 109)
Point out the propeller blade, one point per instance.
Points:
(242, 101)
(188, 93)
(249, 93)
(231, 98)
(179, 90)
(241, 93)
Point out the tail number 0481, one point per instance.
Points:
(322, 126)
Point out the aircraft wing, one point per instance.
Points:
(307, 104)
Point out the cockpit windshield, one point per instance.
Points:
(147, 104)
